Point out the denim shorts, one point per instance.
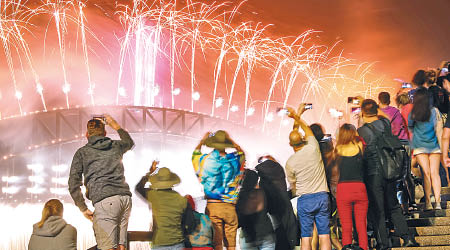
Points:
(314, 208)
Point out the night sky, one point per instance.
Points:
(402, 36)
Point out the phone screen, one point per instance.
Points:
(356, 110)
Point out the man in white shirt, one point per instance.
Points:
(306, 175)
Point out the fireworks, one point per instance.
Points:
(180, 42)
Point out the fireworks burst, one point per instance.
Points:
(165, 35)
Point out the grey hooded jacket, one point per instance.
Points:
(55, 234)
(100, 161)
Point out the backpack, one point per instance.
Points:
(393, 156)
(202, 235)
(440, 98)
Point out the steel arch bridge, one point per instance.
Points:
(51, 138)
(42, 129)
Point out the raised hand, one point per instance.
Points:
(111, 122)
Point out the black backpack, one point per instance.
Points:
(440, 98)
(393, 156)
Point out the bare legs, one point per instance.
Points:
(431, 178)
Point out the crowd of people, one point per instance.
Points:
(334, 186)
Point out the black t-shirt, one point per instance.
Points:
(351, 168)
(447, 122)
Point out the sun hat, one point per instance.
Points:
(164, 179)
(219, 140)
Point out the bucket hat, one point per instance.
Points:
(219, 140)
(164, 179)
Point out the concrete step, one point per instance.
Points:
(430, 231)
(444, 205)
(445, 190)
(422, 248)
(433, 221)
(437, 240)
(431, 213)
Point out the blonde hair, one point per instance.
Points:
(51, 208)
(347, 134)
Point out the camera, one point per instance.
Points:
(353, 100)
(356, 110)
(308, 106)
(406, 85)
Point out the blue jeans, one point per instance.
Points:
(265, 243)
(314, 208)
(179, 246)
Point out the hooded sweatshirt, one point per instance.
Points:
(55, 234)
(100, 161)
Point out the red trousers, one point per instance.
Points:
(352, 197)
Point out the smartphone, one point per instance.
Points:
(262, 159)
(353, 100)
(99, 117)
(308, 106)
(282, 111)
(406, 85)
(356, 110)
(327, 137)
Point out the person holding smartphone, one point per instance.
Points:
(99, 166)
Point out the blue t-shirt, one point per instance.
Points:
(424, 135)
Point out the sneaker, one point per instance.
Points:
(437, 206)
(428, 206)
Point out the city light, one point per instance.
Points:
(196, 96)
(36, 179)
(10, 190)
(234, 108)
(60, 168)
(155, 91)
(35, 167)
(18, 95)
(61, 180)
(39, 88)
(250, 111)
(176, 91)
(219, 102)
(269, 117)
(59, 191)
(10, 179)
(122, 92)
(66, 88)
(35, 190)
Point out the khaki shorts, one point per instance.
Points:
(111, 221)
(225, 222)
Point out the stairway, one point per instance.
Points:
(431, 228)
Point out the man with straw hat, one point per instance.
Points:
(169, 208)
(220, 174)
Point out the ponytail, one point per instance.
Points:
(51, 207)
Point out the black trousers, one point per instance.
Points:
(383, 204)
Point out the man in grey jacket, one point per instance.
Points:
(100, 162)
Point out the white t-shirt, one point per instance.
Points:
(305, 169)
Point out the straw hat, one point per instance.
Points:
(219, 140)
(164, 179)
